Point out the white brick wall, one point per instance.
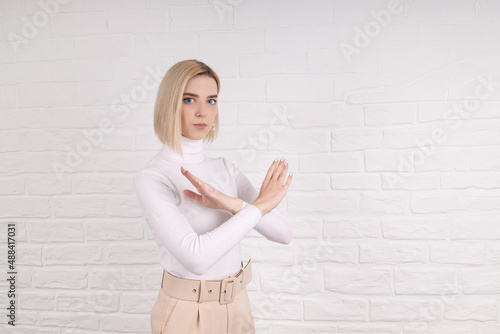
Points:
(392, 130)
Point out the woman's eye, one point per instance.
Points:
(212, 101)
(189, 99)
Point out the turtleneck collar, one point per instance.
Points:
(192, 150)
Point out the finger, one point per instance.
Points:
(282, 175)
(191, 177)
(271, 169)
(288, 182)
(192, 195)
(279, 169)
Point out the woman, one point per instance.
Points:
(200, 208)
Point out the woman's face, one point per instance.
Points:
(199, 106)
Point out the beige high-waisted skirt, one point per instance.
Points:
(176, 316)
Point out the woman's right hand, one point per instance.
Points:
(274, 187)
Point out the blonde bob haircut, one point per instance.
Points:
(167, 109)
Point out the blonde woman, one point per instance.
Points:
(200, 208)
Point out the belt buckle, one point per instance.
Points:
(225, 289)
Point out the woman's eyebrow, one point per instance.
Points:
(196, 95)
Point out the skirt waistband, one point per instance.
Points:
(224, 290)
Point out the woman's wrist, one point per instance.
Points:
(238, 204)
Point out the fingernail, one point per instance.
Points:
(282, 159)
(275, 159)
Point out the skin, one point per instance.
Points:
(200, 106)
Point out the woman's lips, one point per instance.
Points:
(200, 126)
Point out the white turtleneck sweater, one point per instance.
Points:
(194, 241)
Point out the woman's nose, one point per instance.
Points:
(201, 111)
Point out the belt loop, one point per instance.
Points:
(201, 299)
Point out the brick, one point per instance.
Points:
(334, 61)
(40, 71)
(355, 181)
(47, 184)
(306, 182)
(335, 115)
(138, 20)
(69, 319)
(390, 252)
(47, 49)
(272, 63)
(12, 140)
(384, 202)
(475, 228)
(108, 46)
(298, 141)
(75, 254)
(123, 207)
(304, 226)
(87, 301)
(404, 309)
(303, 327)
(311, 252)
(333, 162)
(114, 230)
(200, 18)
(11, 185)
(436, 202)
(411, 181)
(427, 281)
(42, 140)
(13, 206)
(471, 308)
(332, 308)
(305, 38)
(370, 88)
(297, 280)
(137, 253)
(45, 94)
(412, 57)
(351, 227)
(358, 281)
(78, 24)
(482, 280)
(47, 231)
(458, 252)
(304, 88)
(321, 203)
(36, 300)
(275, 306)
(484, 159)
(76, 206)
(476, 180)
(356, 139)
(389, 114)
(115, 278)
(59, 278)
(82, 70)
(409, 227)
(24, 118)
(370, 328)
(229, 42)
(9, 97)
(244, 90)
(138, 302)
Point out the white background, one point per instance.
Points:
(388, 112)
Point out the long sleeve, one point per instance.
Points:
(272, 225)
(197, 253)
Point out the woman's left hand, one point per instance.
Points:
(209, 196)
